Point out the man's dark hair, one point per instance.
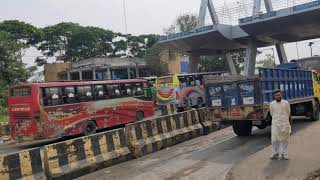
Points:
(276, 91)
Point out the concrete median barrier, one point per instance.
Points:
(168, 109)
(22, 165)
(148, 136)
(207, 122)
(4, 129)
(76, 157)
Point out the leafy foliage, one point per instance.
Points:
(12, 69)
(219, 62)
(186, 22)
(70, 42)
(152, 58)
(15, 37)
(268, 62)
(183, 23)
(24, 33)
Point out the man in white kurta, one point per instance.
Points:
(281, 128)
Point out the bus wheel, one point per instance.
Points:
(90, 128)
(242, 128)
(139, 116)
(315, 112)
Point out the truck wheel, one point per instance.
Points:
(90, 128)
(242, 128)
(139, 116)
(315, 112)
(263, 125)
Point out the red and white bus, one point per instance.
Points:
(53, 110)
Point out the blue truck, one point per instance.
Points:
(244, 101)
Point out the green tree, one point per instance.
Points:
(186, 22)
(70, 42)
(138, 45)
(55, 41)
(12, 69)
(152, 58)
(89, 42)
(24, 33)
(219, 62)
(267, 62)
(183, 23)
(15, 38)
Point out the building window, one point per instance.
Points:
(74, 76)
(87, 75)
(119, 74)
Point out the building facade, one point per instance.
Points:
(97, 69)
(107, 69)
(55, 71)
(174, 62)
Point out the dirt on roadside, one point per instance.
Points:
(315, 175)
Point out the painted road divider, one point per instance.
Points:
(152, 135)
(22, 165)
(76, 157)
(168, 109)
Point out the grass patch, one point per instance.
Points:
(4, 118)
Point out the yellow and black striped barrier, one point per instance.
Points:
(76, 157)
(209, 125)
(148, 136)
(168, 109)
(22, 165)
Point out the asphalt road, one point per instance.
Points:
(206, 157)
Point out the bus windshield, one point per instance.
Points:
(20, 91)
(165, 80)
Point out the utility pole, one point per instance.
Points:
(125, 16)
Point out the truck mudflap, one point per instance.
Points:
(253, 113)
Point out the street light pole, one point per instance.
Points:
(297, 50)
(310, 45)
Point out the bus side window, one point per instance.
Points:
(192, 81)
(126, 90)
(197, 80)
(183, 83)
(84, 93)
(69, 95)
(100, 92)
(116, 91)
(52, 96)
(110, 91)
(138, 89)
